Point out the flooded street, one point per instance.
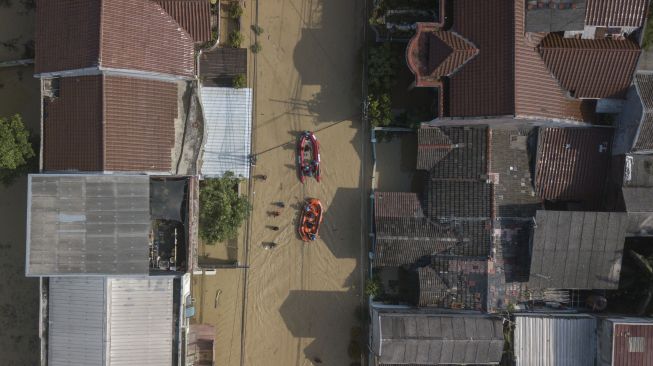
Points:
(19, 93)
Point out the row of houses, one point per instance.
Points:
(135, 111)
(530, 192)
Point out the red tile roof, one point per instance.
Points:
(72, 126)
(434, 53)
(67, 34)
(537, 93)
(572, 163)
(484, 86)
(139, 131)
(591, 68)
(140, 35)
(121, 34)
(616, 13)
(193, 15)
(110, 123)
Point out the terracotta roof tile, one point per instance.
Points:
(591, 68)
(219, 66)
(193, 15)
(139, 131)
(572, 163)
(67, 34)
(537, 93)
(100, 123)
(484, 86)
(644, 141)
(140, 35)
(434, 53)
(453, 152)
(72, 125)
(135, 35)
(453, 283)
(616, 13)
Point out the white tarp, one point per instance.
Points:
(228, 123)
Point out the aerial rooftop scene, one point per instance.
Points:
(326, 182)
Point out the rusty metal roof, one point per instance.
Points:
(110, 123)
(616, 13)
(193, 15)
(120, 34)
(537, 93)
(484, 86)
(632, 344)
(572, 164)
(591, 68)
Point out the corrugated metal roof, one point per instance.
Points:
(577, 250)
(193, 15)
(120, 34)
(537, 93)
(633, 344)
(413, 338)
(228, 120)
(77, 327)
(88, 224)
(572, 163)
(110, 321)
(591, 68)
(542, 340)
(616, 13)
(140, 321)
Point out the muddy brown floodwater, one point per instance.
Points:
(19, 93)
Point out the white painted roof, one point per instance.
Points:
(228, 123)
(110, 321)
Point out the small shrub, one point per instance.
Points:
(235, 10)
(240, 81)
(235, 39)
(379, 110)
(257, 29)
(256, 47)
(373, 287)
(354, 350)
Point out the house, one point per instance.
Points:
(81, 225)
(588, 18)
(577, 250)
(582, 339)
(401, 336)
(112, 75)
(111, 321)
(634, 124)
(555, 340)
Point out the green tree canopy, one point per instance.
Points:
(15, 148)
(222, 210)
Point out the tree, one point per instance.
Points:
(222, 210)
(379, 110)
(239, 81)
(235, 10)
(235, 39)
(15, 148)
(381, 69)
(256, 47)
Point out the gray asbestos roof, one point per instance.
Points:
(88, 224)
(644, 137)
(428, 339)
(577, 250)
(110, 321)
(564, 340)
(228, 120)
